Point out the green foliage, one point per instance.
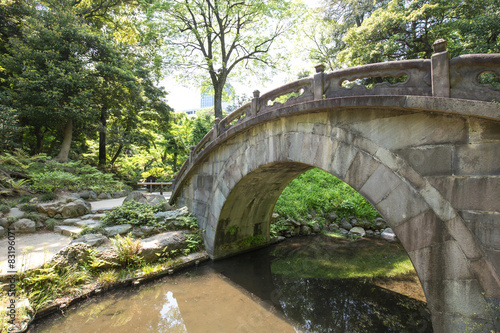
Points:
(4, 208)
(50, 223)
(46, 283)
(107, 278)
(46, 197)
(320, 191)
(131, 212)
(127, 248)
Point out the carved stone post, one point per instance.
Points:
(191, 154)
(255, 103)
(216, 131)
(319, 82)
(174, 179)
(440, 69)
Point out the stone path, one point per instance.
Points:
(33, 250)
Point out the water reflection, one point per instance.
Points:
(241, 294)
(171, 318)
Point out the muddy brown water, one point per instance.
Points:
(241, 294)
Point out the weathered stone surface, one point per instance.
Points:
(477, 159)
(77, 253)
(360, 170)
(316, 228)
(2, 231)
(23, 226)
(15, 212)
(380, 183)
(73, 221)
(388, 235)
(305, 230)
(419, 158)
(144, 231)
(4, 222)
(68, 230)
(136, 196)
(93, 240)
(66, 207)
(104, 196)
(118, 229)
(345, 225)
(332, 217)
(358, 231)
(88, 223)
(163, 242)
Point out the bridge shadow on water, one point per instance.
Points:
(320, 304)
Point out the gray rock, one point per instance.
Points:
(143, 231)
(24, 226)
(345, 225)
(379, 224)
(77, 253)
(275, 217)
(71, 221)
(85, 195)
(155, 199)
(68, 230)
(333, 227)
(4, 222)
(98, 216)
(66, 207)
(305, 230)
(332, 217)
(118, 229)
(365, 224)
(370, 233)
(93, 240)
(316, 228)
(163, 242)
(15, 212)
(354, 221)
(358, 231)
(39, 225)
(88, 223)
(136, 196)
(75, 208)
(344, 231)
(388, 235)
(92, 195)
(104, 196)
(2, 231)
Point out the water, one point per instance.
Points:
(241, 294)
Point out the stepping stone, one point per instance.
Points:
(71, 221)
(98, 216)
(118, 229)
(68, 230)
(88, 223)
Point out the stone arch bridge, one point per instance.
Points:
(425, 152)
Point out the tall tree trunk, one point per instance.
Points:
(113, 160)
(102, 138)
(39, 140)
(66, 144)
(218, 100)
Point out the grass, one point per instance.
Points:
(319, 191)
(325, 262)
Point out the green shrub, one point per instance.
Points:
(127, 249)
(52, 180)
(4, 208)
(28, 208)
(46, 197)
(131, 212)
(321, 191)
(50, 223)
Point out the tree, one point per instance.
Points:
(407, 30)
(217, 36)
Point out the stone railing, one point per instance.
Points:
(438, 77)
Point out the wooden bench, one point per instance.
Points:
(150, 184)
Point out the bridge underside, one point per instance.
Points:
(433, 175)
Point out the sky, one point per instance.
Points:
(181, 97)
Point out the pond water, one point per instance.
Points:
(242, 294)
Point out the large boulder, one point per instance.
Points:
(152, 199)
(66, 207)
(23, 226)
(357, 231)
(165, 242)
(77, 253)
(136, 196)
(388, 235)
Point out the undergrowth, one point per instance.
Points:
(319, 191)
